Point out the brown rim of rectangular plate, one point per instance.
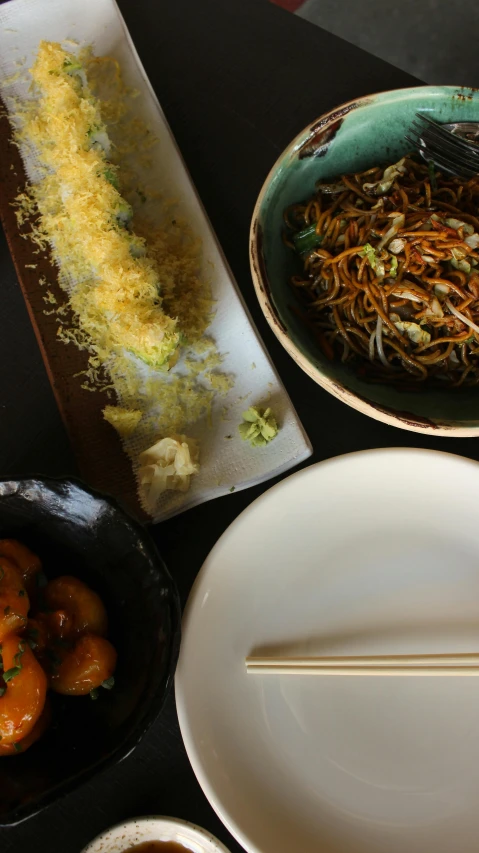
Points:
(102, 462)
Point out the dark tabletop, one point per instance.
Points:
(237, 79)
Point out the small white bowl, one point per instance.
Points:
(123, 836)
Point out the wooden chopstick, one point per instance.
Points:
(462, 663)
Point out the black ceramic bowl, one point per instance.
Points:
(79, 532)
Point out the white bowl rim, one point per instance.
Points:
(94, 846)
(400, 420)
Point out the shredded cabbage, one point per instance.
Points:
(414, 332)
(373, 259)
(385, 183)
(396, 246)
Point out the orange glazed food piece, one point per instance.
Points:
(84, 606)
(39, 728)
(14, 601)
(24, 690)
(27, 563)
(91, 662)
(66, 629)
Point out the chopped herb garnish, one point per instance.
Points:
(32, 643)
(94, 693)
(21, 649)
(112, 178)
(2, 690)
(14, 670)
(108, 683)
(232, 489)
(17, 747)
(11, 673)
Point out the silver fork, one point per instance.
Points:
(452, 147)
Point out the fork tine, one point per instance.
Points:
(466, 145)
(461, 163)
(443, 146)
(439, 157)
(440, 145)
(416, 143)
(430, 152)
(446, 150)
(446, 138)
(446, 165)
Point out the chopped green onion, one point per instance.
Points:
(21, 650)
(108, 683)
(11, 673)
(14, 670)
(17, 747)
(94, 693)
(307, 239)
(2, 690)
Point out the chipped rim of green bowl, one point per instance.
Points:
(313, 137)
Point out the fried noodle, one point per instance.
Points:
(390, 273)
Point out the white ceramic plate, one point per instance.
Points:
(374, 552)
(124, 836)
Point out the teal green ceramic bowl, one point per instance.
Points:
(351, 138)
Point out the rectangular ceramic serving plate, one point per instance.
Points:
(225, 464)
